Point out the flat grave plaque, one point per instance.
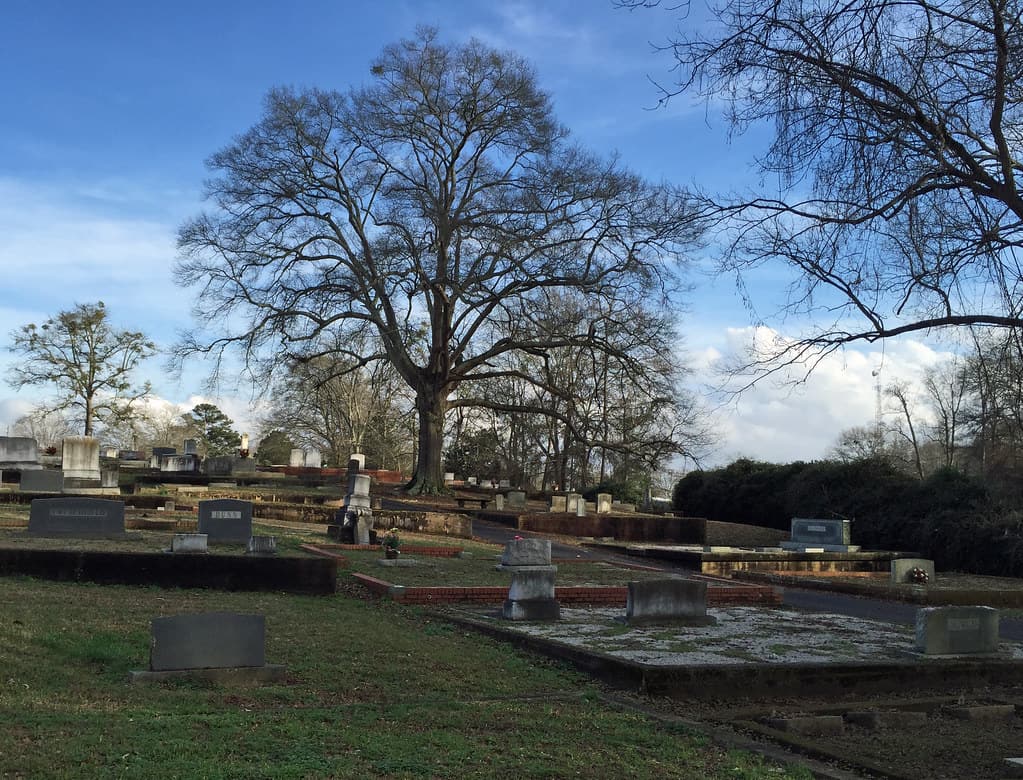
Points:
(818, 532)
(76, 517)
(226, 520)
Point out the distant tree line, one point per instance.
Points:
(949, 516)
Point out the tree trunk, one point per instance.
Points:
(88, 415)
(429, 474)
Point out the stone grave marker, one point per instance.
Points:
(531, 595)
(830, 535)
(297, 459)
(499, 501)
(19, 452)
(572, 503)
(80, 461)
(180, 464)
(41, 481)
(558, 504)
(221, 646)
(189, 543)
(314, 459)
(580, 508)
(956, 630)
(901, 568)
(604, 503)
(190, 447)
(226, 520)
(672, 600)
(359, 458)
(77, 517)
(516, 499)
(262, 545)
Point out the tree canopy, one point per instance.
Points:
(894, 162)
(213, 430)
(441, 199)
(85, 359)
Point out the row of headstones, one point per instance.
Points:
(531, 595)
(955, 630)
(221, 521)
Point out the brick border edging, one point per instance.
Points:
(428, 551)
(610, 596)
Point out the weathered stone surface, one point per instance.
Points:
(77, 517)
(530, 583)
(542, 609)
(41, 481)
(207, 640)
(226, 520)
(262, 545)
(80, 458)
(666, 601)
(956, 630)
(516, 499)
(527, 552)
(901, 567)
(876, 720)
(189, 543)
(604, 501)
(19, 452)
(559, 504)
(984, 712)
(809, 725)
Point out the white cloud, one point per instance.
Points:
(794, 416)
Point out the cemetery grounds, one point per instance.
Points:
(378, 689)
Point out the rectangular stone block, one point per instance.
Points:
(80, 458)
(666, 601)
(516, 499)
(956, 630)
(532, 583)
(18, 452)
(226, 520)
(820, 532)
(262, 545)
(76, 517)
(189, 543)
(559, 504)
(527, 552)
(41, 481)
(604, 501)
(901, 567)
(207, 640)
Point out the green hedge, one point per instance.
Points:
(949, 517)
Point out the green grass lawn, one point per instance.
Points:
(373, 690)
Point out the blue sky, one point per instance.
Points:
(111, 107)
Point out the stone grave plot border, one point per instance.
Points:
(312, 575)
(77, 517)
(699, 681)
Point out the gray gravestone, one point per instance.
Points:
(297, 459)
(667, 601)
(77, 517)
(19, 452)
(901, 568)
(572, 503)
(828, 535)
(527, 552)
(41, 481)
(226, 520)
(516, 499)
(956, 630)
(558, 504)
(209, 640)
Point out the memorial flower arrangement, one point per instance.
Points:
(918, 576)
(391, 542)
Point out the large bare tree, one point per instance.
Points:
(419, 208)
(892, 174)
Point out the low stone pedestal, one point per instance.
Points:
(531, 595)
(189, 543)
